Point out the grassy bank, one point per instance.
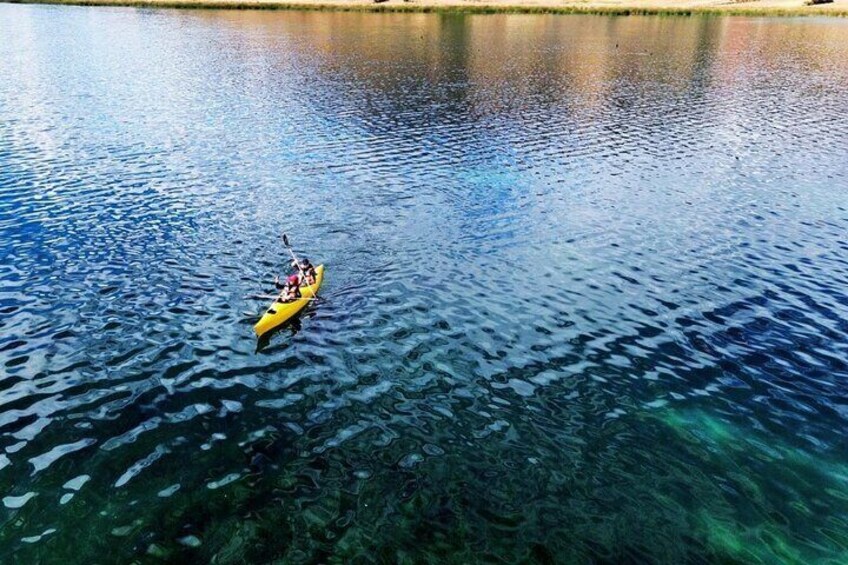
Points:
(614, 7)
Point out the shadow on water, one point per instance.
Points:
(290, 327)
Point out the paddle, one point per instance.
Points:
(296, 261)
(273, 296)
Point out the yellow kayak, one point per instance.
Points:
(280, 312)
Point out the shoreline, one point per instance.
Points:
(785, 8)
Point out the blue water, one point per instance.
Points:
(585, 295)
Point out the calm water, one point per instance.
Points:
(585, 298)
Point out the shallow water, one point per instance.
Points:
(585, 294)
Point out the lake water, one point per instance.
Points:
(585, 295)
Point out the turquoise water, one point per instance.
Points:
(585, 296)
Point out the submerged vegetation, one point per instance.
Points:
(748, 473)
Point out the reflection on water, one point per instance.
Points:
(584, 300)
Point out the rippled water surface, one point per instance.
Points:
(585, 294)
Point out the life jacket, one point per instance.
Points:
(310, 274)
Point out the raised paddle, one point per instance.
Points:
(296, 261)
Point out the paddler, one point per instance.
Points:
(308, 270)
(290, 290)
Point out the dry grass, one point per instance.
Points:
(598, 7)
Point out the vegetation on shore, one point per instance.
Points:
(588, 8)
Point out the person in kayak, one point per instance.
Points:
(290, 290)
(308, 270)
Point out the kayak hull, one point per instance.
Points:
(279, 313)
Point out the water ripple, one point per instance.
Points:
(584, 297)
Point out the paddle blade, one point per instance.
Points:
(286, 240)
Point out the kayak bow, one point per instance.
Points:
(281, 312)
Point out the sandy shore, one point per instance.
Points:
(623, 7)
